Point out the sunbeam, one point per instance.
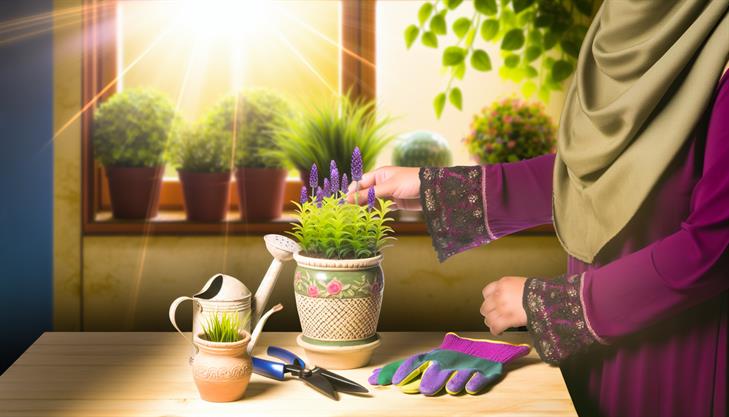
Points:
(307, 63)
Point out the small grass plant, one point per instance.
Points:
(223, 327)
(329, 227)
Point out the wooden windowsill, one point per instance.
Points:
(173, 222)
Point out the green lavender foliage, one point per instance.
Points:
(539, 41)
(331, 130)
(201, 148)
(339, 230)
(255, 114)
(223, 327)
(132, 128)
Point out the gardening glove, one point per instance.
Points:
(458, 364)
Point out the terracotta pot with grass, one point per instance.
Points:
(222, 368)
(130, 132)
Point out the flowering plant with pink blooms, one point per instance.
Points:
(510, 130)
(330, 227)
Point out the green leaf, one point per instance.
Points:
(550, 39)
(438, 25)
(487, 7)
(531, 72)
(430, 40)
(584, 7)
(461, 26)
(543, 93)
(438, 104)
(489, 29)
(561, 70)
(411, 33)
(453, 55)
(534, 38)
(459, 71)
(511, 60)
(452, 4)
(470, 36)
(513, 40)
(424, 13)
(480, 60)
(570, 47)
(532, 53)
(543, 20)
(528, 89)
(520, 5)
(456, 98)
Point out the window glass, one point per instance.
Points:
(408, 80)
(198, 51)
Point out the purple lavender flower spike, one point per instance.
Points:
(356, 164)
(319, 196)
(327, 188)
(334, 177)
(371, 198)
(304, 195)
(313, 177)
(345, 183)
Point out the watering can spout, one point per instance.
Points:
(282, 249)
(259, 326)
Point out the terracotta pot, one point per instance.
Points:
(134, 192)
(339, 303)
(261, 193)
(206, 195)
(222, 370)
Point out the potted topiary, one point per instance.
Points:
(510, 130)
(222, 366)
(202, 155)
(130, 132)
(329, 131)
(260, 172)
(338, 282)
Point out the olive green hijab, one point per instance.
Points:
(644, 78)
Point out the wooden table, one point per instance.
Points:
(146, 374)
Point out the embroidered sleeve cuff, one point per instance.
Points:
(555, 317)
(454, 208)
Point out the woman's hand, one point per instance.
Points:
(400, 184)
(502, 307)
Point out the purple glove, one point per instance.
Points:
(458, 364)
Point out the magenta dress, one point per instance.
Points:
(642, 331)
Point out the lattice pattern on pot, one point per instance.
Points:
(339, 319)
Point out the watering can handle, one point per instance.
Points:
(173, 310)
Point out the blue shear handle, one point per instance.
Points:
(268, 368)
(286, 356)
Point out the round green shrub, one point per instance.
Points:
(510, 130)
(260, 112)
(421, 148)
(200, 148)
(131, 128)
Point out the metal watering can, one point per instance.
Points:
(225, 294)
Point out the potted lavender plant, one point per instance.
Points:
(338, 282)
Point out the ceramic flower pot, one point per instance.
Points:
(338, 302)
(222, 370)
(206, 195)
(134, 192)
(261, 193)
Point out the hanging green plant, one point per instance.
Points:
(539, 41)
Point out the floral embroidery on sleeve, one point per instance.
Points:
(555, 317)
(454, 208)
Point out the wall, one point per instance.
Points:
(26, 181)
(127, 282)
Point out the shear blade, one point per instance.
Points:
(341, 383)
(321, 384)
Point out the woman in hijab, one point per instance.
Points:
(638, 193)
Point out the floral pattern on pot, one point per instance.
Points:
(338, 284)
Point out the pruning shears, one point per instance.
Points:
(322, 380)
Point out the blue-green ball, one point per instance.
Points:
(421, 148)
